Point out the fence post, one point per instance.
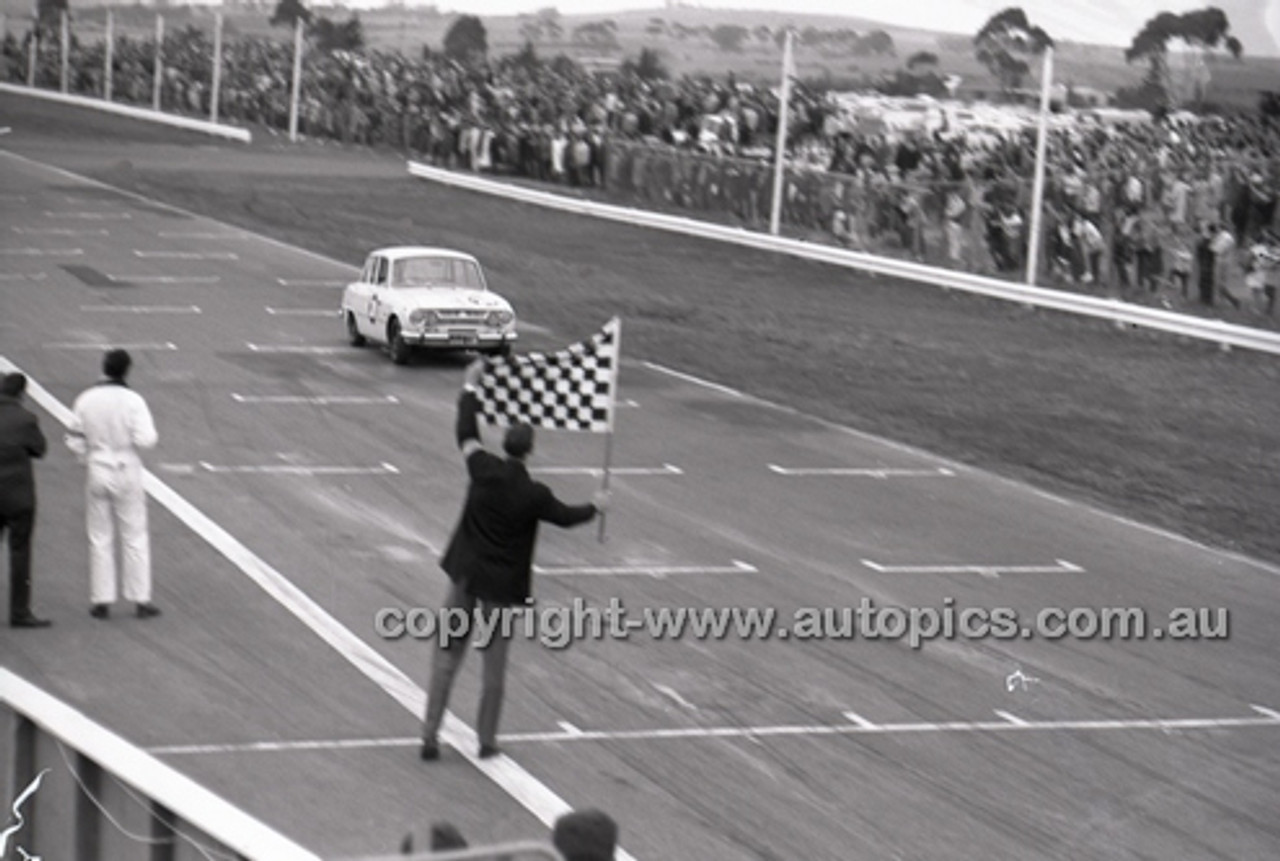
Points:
(297, 79)
(65, 46)
(110, 58)
(31, 58)
(216, 85)
(155, 89)
(88, 818)
(780, 154)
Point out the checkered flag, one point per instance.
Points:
(571, 389)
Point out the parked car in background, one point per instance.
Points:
(416, 297)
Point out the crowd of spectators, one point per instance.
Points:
(1185, 211)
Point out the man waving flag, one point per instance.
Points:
(571, 389)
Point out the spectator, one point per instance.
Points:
(21, 441)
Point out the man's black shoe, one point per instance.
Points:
(146, 611)
(430, 752)
(100, 611)
(488, 751)
(28, 620)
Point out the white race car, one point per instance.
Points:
(410, 297)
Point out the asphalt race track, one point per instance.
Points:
(302, 484)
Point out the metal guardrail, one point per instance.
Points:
(132, 111)
(177, 804)
(524, 850)
(1214, 331)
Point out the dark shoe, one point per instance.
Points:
(28, 620)
(430, 752)
(489, 751)
(146, 611)
(100, 611)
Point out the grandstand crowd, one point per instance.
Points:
(1184, 212)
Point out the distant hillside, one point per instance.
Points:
(693, 41)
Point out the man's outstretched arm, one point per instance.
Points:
(468, 424)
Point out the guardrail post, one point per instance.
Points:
(88, 817)
(155, 91)
(163, 821)
(297, 80)
(110, 58)
(216, 83)
(25, 733)
(31, 58)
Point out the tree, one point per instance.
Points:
(1202, 31)
(648, 66)
(328, 36)
(921, 62)
(289, 12)
(1004, 43)
(729, 37)
(465, 39)
(49, 15)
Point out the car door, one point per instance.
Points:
(359, 295)
(379, 298)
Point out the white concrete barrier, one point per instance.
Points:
(137, 113)
(1215, 331)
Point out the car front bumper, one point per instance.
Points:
(458, 339)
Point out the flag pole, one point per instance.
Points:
(608, 437)
(780, 147)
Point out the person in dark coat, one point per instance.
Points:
(489, 559)
(21, 440)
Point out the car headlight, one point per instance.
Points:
(423, 317)
(497, 319)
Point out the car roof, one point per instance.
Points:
(398, 251)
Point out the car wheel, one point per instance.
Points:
(396, 344)
(502, 351)
(353, 331)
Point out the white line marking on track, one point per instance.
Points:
(859, 720)
(1266, 712)
(295, 469)
(869, 472)
(298, 348)
(857, 726)
(197, 234)
(304, 312)
(165, 279)
(153, 345)
(657, 571)
(91, 216)
(186, 255)
(1061, 566)
(689, 378)
(504, 771)
(673, 695)
(1011, 718)
(142, 309)
(61, 231)
(315, 400)
(665, 469)
(309, 282)
(41, 252)
(23, 276)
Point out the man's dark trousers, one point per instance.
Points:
(18, 525)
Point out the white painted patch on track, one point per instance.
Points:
(91, 216)
(142, 309)
(298, 469)
(656, 571)
(185, 255)
(665, 469)
(314, 400)
(41, 252)
(304, 312)
(168, 346)
(1060, 566)
(165, 279)
(309, 282)
(61, 231)
(865, 472)
(298, 348)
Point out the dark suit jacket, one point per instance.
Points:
(20, 441)
(492, 545)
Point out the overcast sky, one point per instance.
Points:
(1108, 22)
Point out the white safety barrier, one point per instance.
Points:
(188, 801)
(1215, 331)
(204, 126)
